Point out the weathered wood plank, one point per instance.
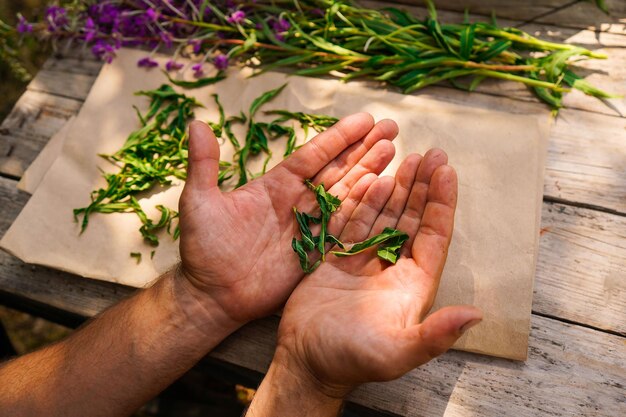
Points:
(63, 84)
(581, 260)
(34, 119)
(570, 371)
(587, 160)
(581, 269)
(74, 63)
(512, 9)
(584, 15)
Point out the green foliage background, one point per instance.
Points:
(33, 53)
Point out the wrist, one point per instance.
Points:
(205, 319)
(289, 388)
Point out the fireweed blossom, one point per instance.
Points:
(104, 51)
(197, 70)
(56, 17)
(236, 17)
(22, 25)
(90, 29)
(147, 62)
(220, 62)
(172, 66)
(279, 27)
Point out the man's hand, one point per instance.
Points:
(236, 246)
(237, 265)
(358, 319)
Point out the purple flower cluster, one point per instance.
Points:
(220, 62)
(56, 17)
(172, 66)
(236, 17)
(279, 27)
(109, 25)
(147, 62)
(22, 25)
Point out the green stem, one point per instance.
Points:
(525, 80)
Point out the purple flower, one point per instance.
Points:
(317, 12)
(147, 62)
(152, 15)
(103, 50)
(166, 38)
(56, 17)
(22, 25)
(105, 14)
(90, 29)
(280, 25)
(196, 44)
(172, 66)
(197, 70)
(236, 17)
(220, 62)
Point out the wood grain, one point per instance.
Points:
(587, 160)
(584, 15)
(581, 269)
(570, 371)
(509, 9)
(34, 119)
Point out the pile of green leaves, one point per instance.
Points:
(389, 241)
(157, 152)
(10, 53)
(341, 39)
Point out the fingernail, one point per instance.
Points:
(469, 325)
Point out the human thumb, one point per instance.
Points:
(204, 157)
(441, 330)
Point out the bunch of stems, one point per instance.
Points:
(323, 38)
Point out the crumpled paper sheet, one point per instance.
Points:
(497, 146)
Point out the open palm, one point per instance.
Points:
(237, 245)
(360, 319)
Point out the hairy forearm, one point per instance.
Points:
(288, 390)
(119, 360)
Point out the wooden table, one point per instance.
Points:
(577, 357)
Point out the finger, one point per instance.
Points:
(375, 161)
(204, 157)
(430, 247)
(364, 215)
(349, 158)
(340, 218)
(402, 189)
(411, 216)
(438, 333)
(307, 161)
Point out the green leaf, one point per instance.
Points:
(583, 85)
(202, 82)
(137, 256)
(602, 6)
(467, 41)
(495, 48)
(264, 98)
(286, 62)
(392, 237)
